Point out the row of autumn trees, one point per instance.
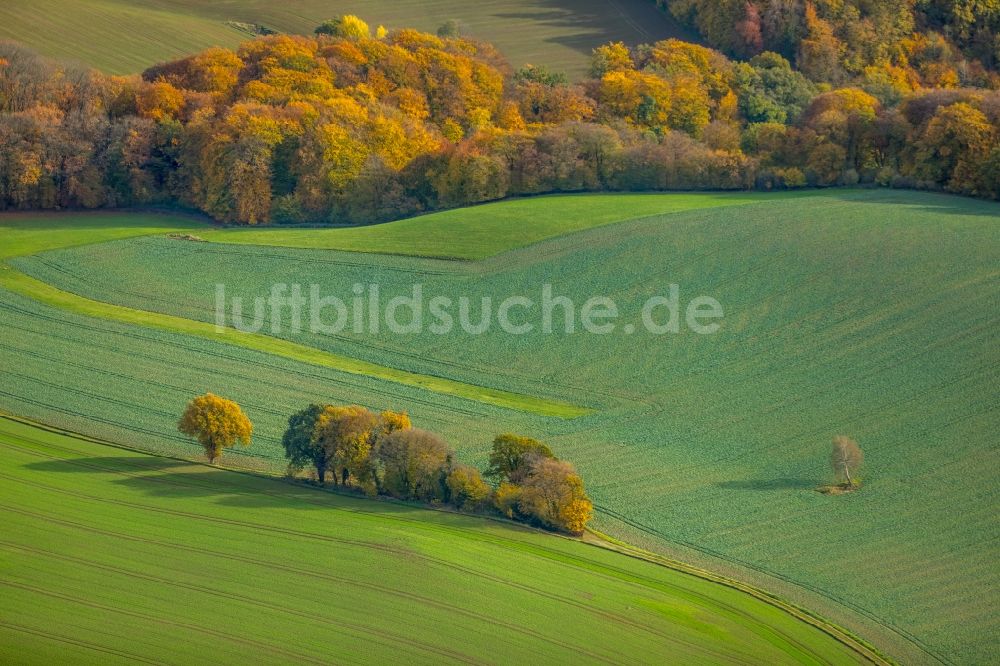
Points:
(383, 454)
(360, 127)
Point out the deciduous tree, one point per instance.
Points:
(512, 454)
(466, 488)
(217, 424)
(552, 494)
(346, 436)
(413, 464)
(846, 459)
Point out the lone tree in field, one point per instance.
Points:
(217, 424)
(846, 459)
(449, 29)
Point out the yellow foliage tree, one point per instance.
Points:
(613, 57)
(392, 421)
(159, 101)
(466, 487)
(217, 424)
(576, 513)
(506, 497)
(346, 434)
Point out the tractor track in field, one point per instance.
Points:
(378, 635)
(180, 390)
(208, 314)
(553, 556)
(412, 383)
(441, 564)
(174, 388)
(314, 574)
(216, 249)
(245, 361)
(52, 636)
(238, 640)
(220, 373)
(652, 531)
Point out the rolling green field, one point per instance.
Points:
(867, 313)
(117, 556)
(479, 232)
(127, 36)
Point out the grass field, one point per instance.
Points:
(483, 231)
(111, 556)
(126, 36)
(868, 313)
(24, 235)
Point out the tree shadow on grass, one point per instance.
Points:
(942, 203)
(179, 484)
(769, 484)
(254, 492)
(167, 478)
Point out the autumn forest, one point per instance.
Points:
(358, 125)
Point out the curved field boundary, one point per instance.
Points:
(477, 232)
(30, 287)
(645, 554)
(859, 645)
(865, 651)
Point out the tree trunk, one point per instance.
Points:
(321, 473)
(847, 473)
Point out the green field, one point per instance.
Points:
(483, 231)
(120, 556)
(868, 313)
(127, 36)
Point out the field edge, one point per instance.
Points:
(591, 537)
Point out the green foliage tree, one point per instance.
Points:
(217, 424)
(450, 29)
(539, 74)
(769, 90)
(512, 454)
(301, 445)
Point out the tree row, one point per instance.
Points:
(383, 454)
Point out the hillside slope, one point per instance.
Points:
(123, 37)
(112, 554)
(867, 313)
